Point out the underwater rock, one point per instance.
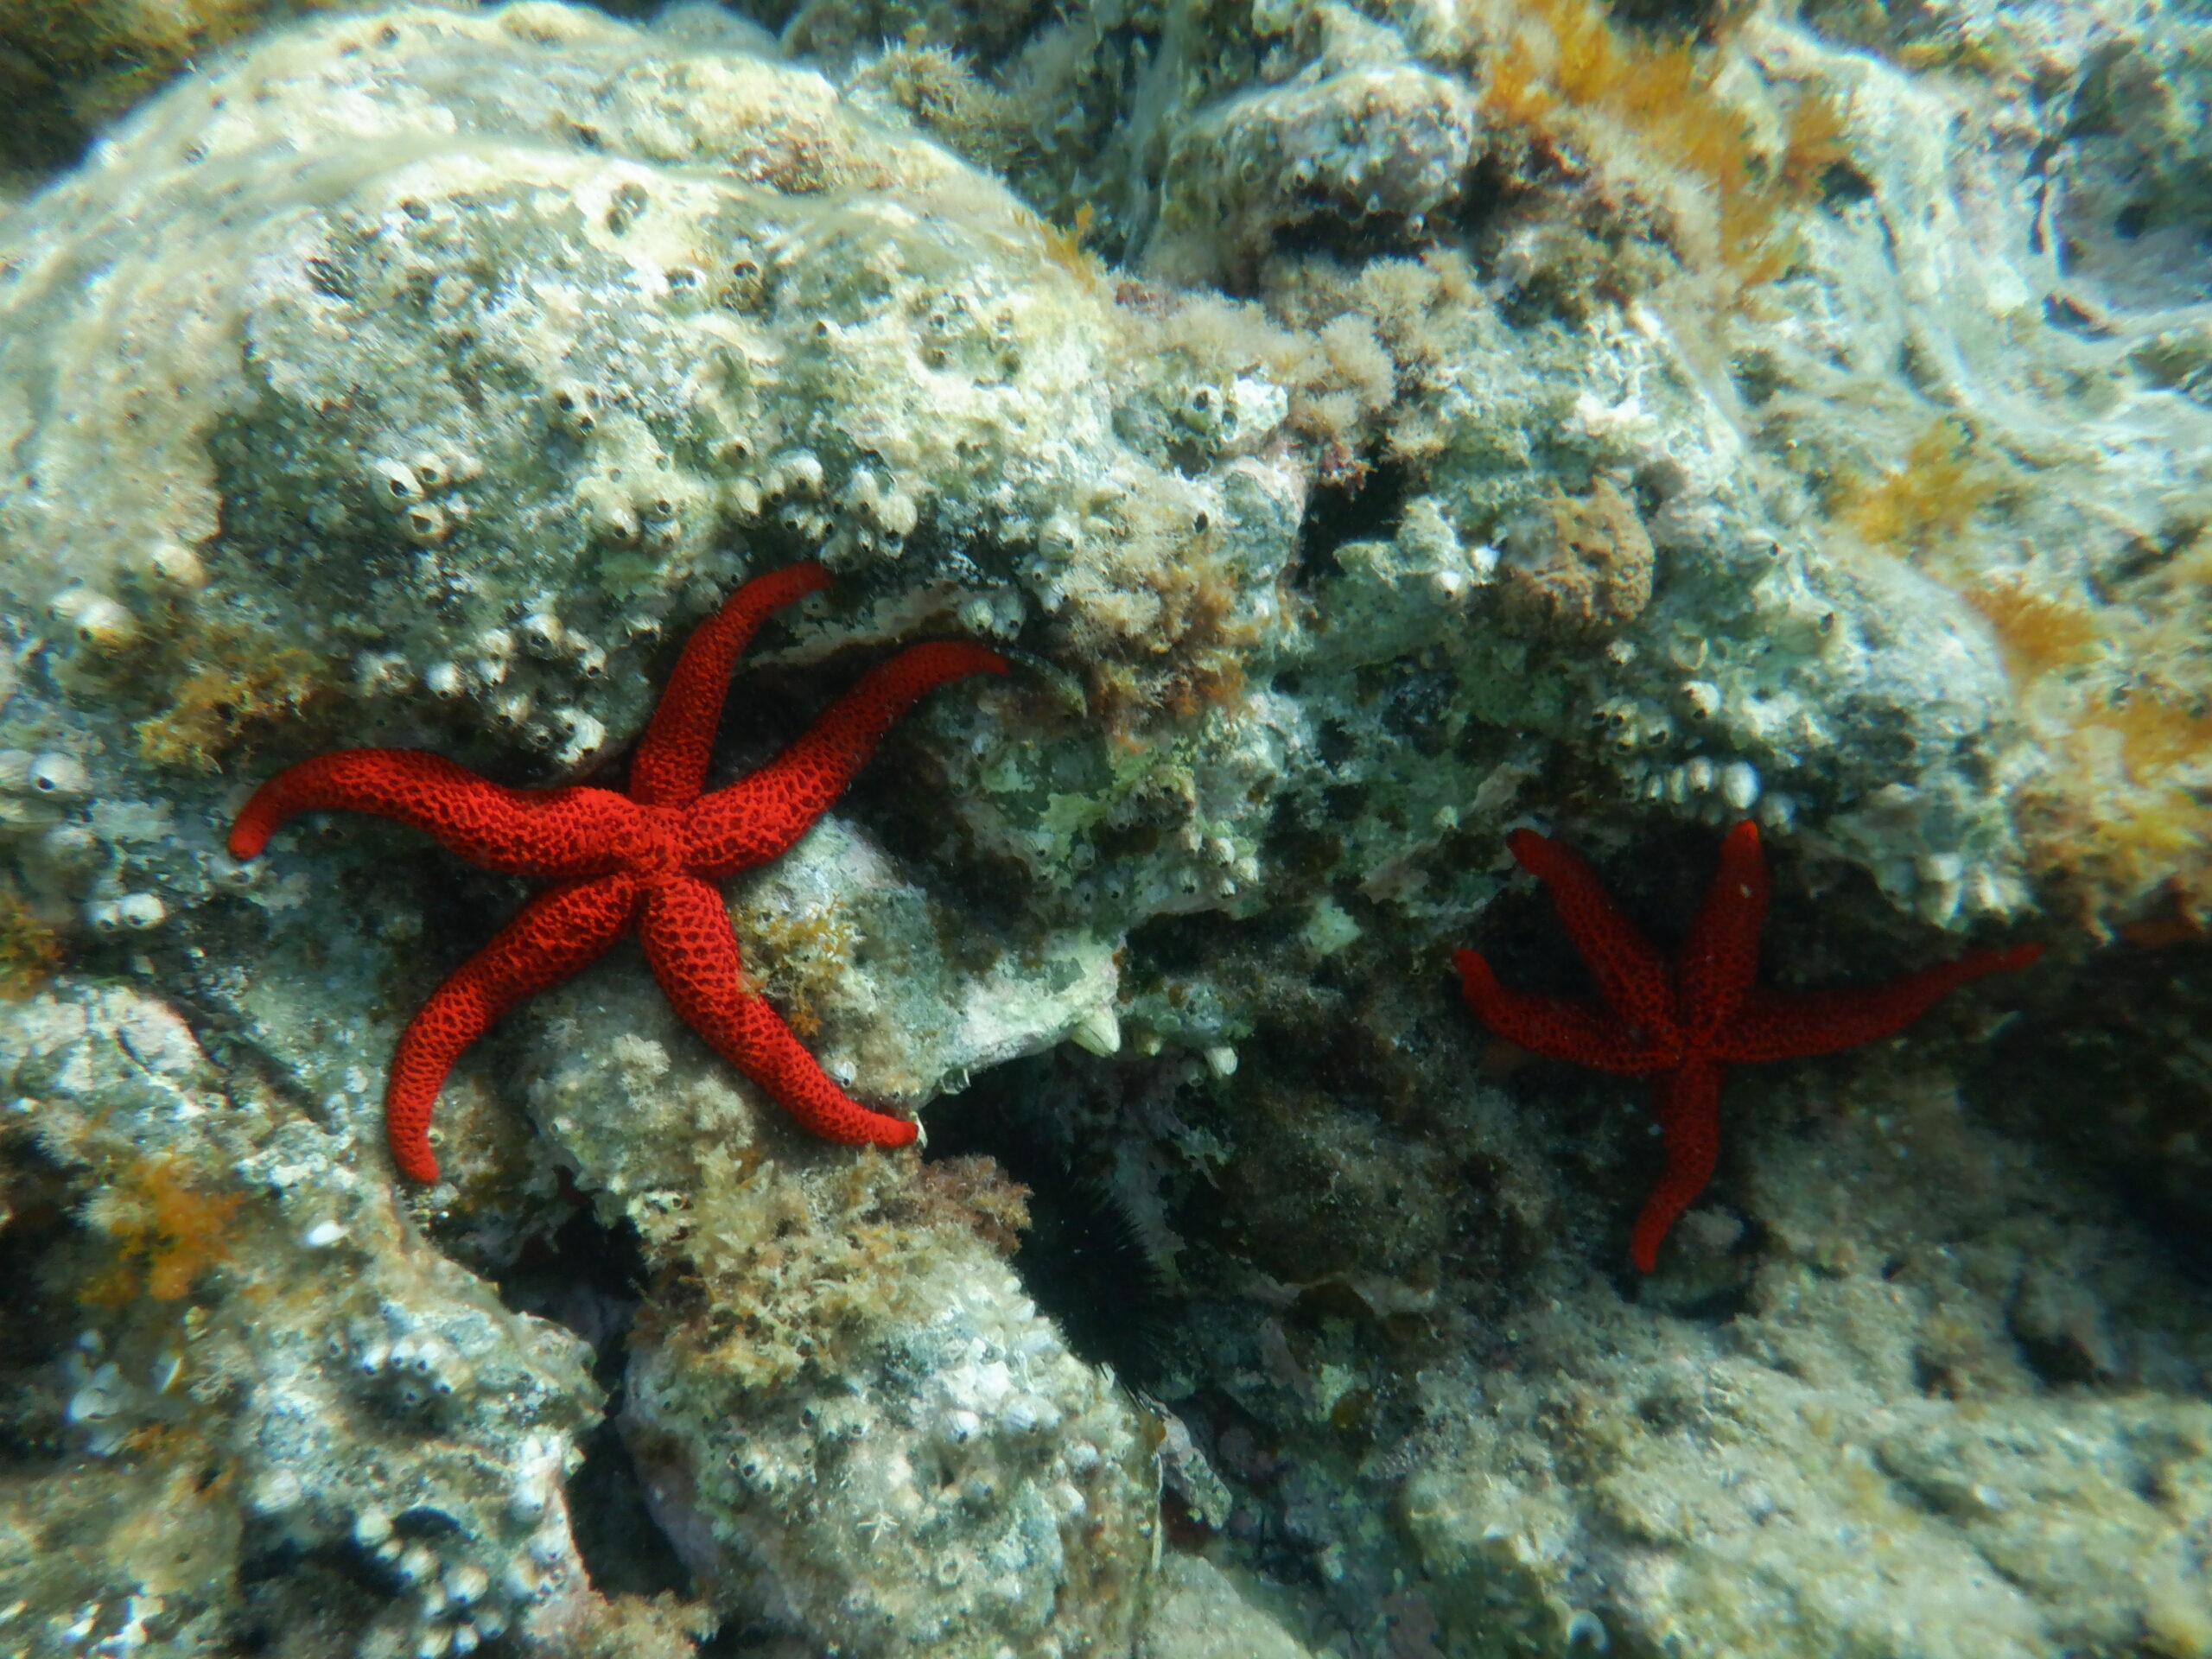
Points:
(1381, 144)
(844, 1408)
(1197, 1613)
(1887, 1450)
(417, 376)
(265, 1362)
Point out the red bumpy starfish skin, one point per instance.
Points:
(1687, 1025)
(648, 858)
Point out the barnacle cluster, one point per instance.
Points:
(1367, 429)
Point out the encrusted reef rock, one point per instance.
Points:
(264, 1361)
(844, 1408)
(465, 517)
(1497, 412)
(1889, 1450)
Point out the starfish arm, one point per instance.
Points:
(1630, 974)
(1784, 1025)
(670, 765)
(693, 954)
(558, 932)
(758, 817)
(1552, 1027)
(548, 832)
(1689, 1128)
(1720, 958)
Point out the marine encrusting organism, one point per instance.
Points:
(651, 858)
(1688, 1023)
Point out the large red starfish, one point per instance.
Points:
(1688, 1024)
(650, 858)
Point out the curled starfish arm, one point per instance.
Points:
(1785, 1025)
(564, 929)
(1631, 976)
(1690, 1127)
(1554, 1027)
(669, 767)
(694, 955)
(553, 832)
(1720, 958)
(758, 817)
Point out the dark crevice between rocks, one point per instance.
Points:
(2120, 1033)
(1363, 507)
(590, 1277)
(34, 1321)
(1083, 1258)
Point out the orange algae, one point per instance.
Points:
(2155, 736)
(229, 699)
(29, 950)
(166, 1231)
(2036, 635)
(1928, 501)
(1567, 58)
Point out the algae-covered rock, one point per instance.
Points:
(1887, 1451)
(259, 1359)
(1504, 412)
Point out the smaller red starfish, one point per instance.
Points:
(649, 858)
(1688, 1024)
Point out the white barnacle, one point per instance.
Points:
(175, 564)
(586, 737)
(575, 408)
(100, 1397)
(542, 634)
(1031, 1414)
(1098, 1032)
(613, 521)
(798, 472)
(276, 1492)
(95, 618)
(1060, 537)
(380, 672)
(136, 912)
(372, 1526)
(1701, 698)
(425, 524)
(897, 513)
(1739, 785)
(393, 482)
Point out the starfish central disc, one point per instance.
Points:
(648, 859)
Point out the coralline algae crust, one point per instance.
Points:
(1469, 438)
